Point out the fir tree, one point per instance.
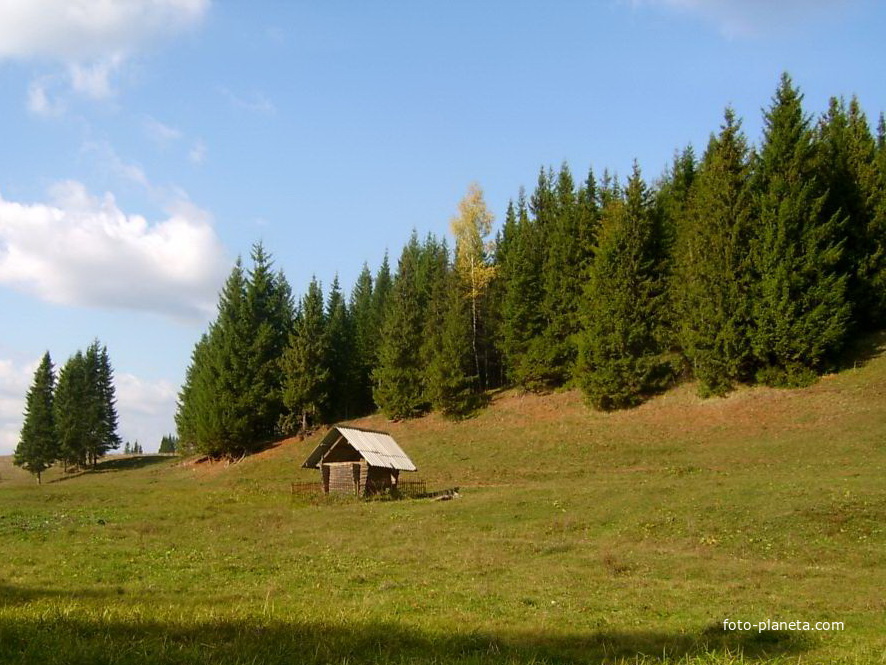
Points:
(268, 312)
(711, 281)
(846, 151)
(800, 311)
(620, 359)
(339, 344)
(100, 402)
(522, 319)
(452, 386)
(304, 363)
(569, 248)
(398, 377)
(37, 448)
(365, 341)
(73, 422)
(168, 445)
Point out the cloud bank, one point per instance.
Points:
(92, 39)
(82, 250)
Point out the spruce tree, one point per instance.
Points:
(711, 280)
(452, 385)
(365, 341)
(305, 364)
(569, 248)
(37, 448)
(846, 152)
(339, 345)
(74, 418)
(800, 311)
(398, 376)
(522, 318)
(268, 320)
(620, 360)
(98, 403)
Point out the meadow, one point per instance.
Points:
(579, 537)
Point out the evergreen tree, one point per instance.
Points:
(398, 376)
(214, 415)
(673, 196)
(74, 418)
(569, 249)
(620, 358)
(846, 151)
(452, 387)
(381, 293)
(232, 396)
(522, 319)
(98, 403)
(37, 448)
(268, 312)
(800, 310)
(339, 344)
(304, 362)
(126, 448)
(365, 341)
(168, 445)
(711, 280)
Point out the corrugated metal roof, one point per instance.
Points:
(377, 448)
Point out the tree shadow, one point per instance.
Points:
(72, 638)
(130, 463)
(862, 350)
(115, 464)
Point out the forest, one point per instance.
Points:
(744, 265)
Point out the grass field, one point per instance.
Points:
(579, 537)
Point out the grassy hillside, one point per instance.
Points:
(579, 537)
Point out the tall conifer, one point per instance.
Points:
(305, 363)
(800, 311)
(398, 376)
(620, 358)
(711, 281)
(37, 448)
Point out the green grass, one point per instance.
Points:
(579, 537)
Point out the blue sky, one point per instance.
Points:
(147, 143)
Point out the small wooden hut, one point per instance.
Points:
(358, 461)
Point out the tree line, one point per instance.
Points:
(750, 264)
(70, 418)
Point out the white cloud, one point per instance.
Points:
(749, 18)
(84, 30)
(83, 250)
(93, 39)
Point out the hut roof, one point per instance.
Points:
(377, 448)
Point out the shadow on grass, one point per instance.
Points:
(862, 350)
(117, 464)
(56, 636)
(130, 463)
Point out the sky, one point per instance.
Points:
(145, 144)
